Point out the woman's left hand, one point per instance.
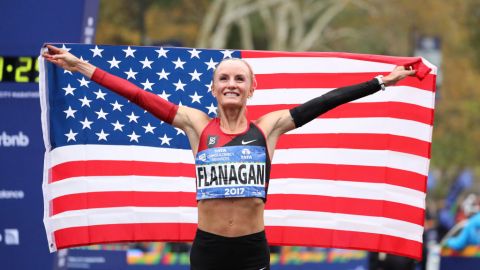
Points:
(398, 74)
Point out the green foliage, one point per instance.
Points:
(364, 26)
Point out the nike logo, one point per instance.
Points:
(247, 142)
(263, 268)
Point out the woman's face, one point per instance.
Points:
(232, 83)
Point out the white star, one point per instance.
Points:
(69, 90)
(85, 101)
(179, 85)
(70, 112)
(101, 114)
(71, 135)
(83, 82)
(212, 109)
(147, 85)
(65, 48)
(148, 128)
(165, 139)
(196, 98)
(118, 126)
(163, 75)
(162, 52)
(102, 135)
(211, 64)
(86, 123)
(81, 59)
(132, 117)
(67, 71)
(131, 74)
(97, 51)
(100, 94)
(164, 95)
(227, 54)
(114, 63)
(194, 53)
(133, 136)
(179, 131)
(146, 63)
(117, 106)
(209, 86)
(179, 63)
(129, 52)
(195, 75)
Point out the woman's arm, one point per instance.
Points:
(279, 122)
(160, 108)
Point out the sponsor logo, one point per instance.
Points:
(12, 237)
(212, 141)
(246, 154)
(202, 157)
(19, 140)
(247, 142)
(11, 194)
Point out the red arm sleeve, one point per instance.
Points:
(154, 104)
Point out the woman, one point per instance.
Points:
(232, 154)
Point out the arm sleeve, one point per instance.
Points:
(310, 110)
(154, 104)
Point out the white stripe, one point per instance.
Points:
(77, 185)
(119, 152)
(348, 189)
(123, 215)
(294, 218)
(321, 187)
(346, 222)
(404, 94)
(382, 158)
(370, 125)
(271, 65)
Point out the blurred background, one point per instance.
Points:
(445, 32)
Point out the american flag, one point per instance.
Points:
(353, 178)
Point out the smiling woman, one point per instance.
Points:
(232, 153)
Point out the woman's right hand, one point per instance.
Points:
(68, 61)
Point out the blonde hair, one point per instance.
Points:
(253, 81)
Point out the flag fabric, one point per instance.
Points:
(355, 177)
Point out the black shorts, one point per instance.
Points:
(212, 252)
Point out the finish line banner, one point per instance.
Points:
(353, 178)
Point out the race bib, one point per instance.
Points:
(231, 171)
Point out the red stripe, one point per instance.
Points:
(119, 168)
(98, 234)
(394, 60)
(353, 206)
(296, 236)
(332, 80)
(417, 63)
(88, 235)
(275, 201)
(370, 174)
(367, 174)
(356, 141)
(90, 200)
(353, 110)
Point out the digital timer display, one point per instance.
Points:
(19, 69)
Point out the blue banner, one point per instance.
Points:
(24, 28)
(175, 256)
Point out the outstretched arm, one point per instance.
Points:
(279, 122)
(166, 111)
